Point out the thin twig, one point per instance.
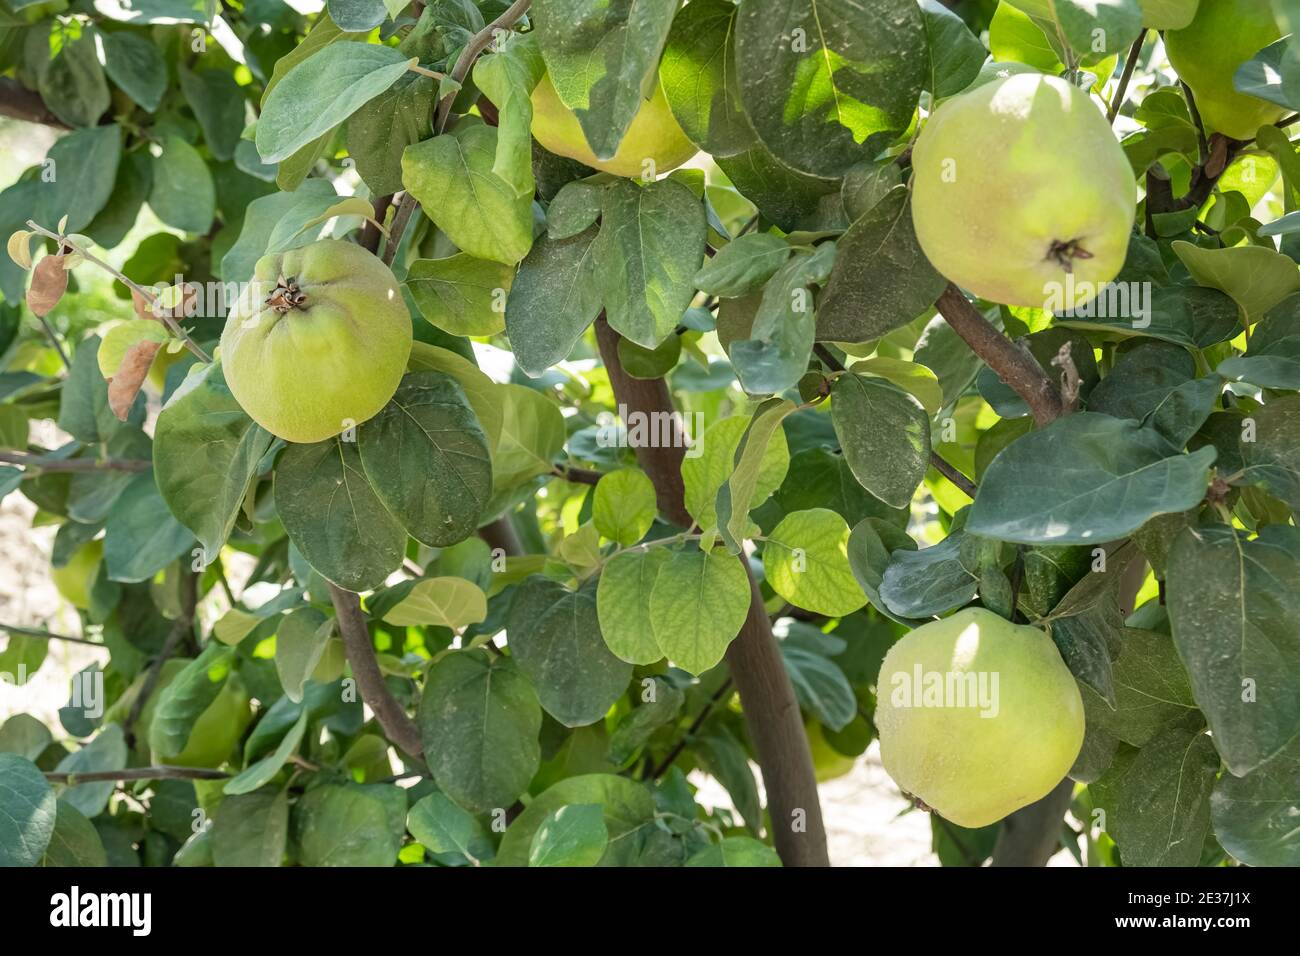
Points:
(183, 624)
(1201, 142)
(723, 689)
(1130, 64)
(135, 773)
(581, 476)
(49, 636)
(172, 325)
(946, 468)
(54, 340)
(48, 464)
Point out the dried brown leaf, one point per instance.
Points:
(49, 282)
(125, 385)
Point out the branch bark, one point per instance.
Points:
(392, 716)
(1017, 368)
(1031, 835)
(754, 659)
(18, 102)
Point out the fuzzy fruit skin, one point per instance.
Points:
(654, 134)
(1223, 35)
(75, 579)
(1006, 170)
(975, 770)
(334, 361)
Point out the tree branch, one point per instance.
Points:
(581, 476)
(1135, 51)
(754, 658)
(945, 468)
(183, 624)
(1017, 368)
(48, 636)
(46, 463)
(20, 103)
(392, 716)
(135, 773)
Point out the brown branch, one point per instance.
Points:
(1135, 51)
(581, 476)
(1018, 369)
(135, 773)
(392, 716)
(502, 534)
(47, 635)
(46, 463)
(946, 468)
(754, 658)
(180, 627)
(20, 103)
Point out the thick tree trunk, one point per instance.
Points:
(766, 694)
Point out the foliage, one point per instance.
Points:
(557, 599)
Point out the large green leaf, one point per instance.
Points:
(703, 474)
(206, 451)
(75, 841)
(554, 298)
(925, 583)
(1272, 358)
(881, 280)
(827, 83)
(628, 806)
(554, 634)
(623, 604)
(650, 246)
(573, 835)
(439, 602)
(697, 606)
(427, 459)
(182, 193)
(28, 811)
(135, 65)
(107, 751)
(85, 164)
(805, 559)
(1151, 689)
(62, 58)
(251, 829)
(443, 827)
(479, 719)
(1157, 799)
(452, 177)
(1255, 277)
(744, 265)
(625, 507)
(1254, 816)
(323, 90)
(602, 60)
(460, 294)
(334, 517)
(884, 433)
(379, 132)
(700, 80)
(956, 54)
(1233, 606)
(1273, 458)
(187, 696)
(737, 495)
(532, 434)
(349, 825)
(1086, 478)
(141, 537)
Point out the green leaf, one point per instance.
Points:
(264, 215)
(554, 635)
(736, 851)
(871, 544)
(1157, 800)
(1272, 358)
(1254, 816)
(187, 696)
(427, 459)
(257, 775)
(442, 827)
(357, 15)
(623, 604)
(479, 719)
(334, 517)
(85, 168)
(929, 582)
(1092, 479)
(743, 265)
(575, 207)
(1141, 379)
(134, 64)
(1273, 458)
(1151, 689)
(956, 54)
(349, 825)
(1256, 278)
(300, 642)
(75, 841)
(532, 434)
(884, 433)
(724, 759)
(61, 55)
(182, 194)
(379, 132)
(507, 77)
(698, 605)
(736, 497)
(320, 92)
(650, 246)
(660, 705)
(141, 537)
(1232, 605)
(628, 807)
(602, 60)
(28, 810)
(790, 199)
(107, 751)
(700, 80)
(780, 341)
(218, 104)
(1112, 25)
(703, 474)
(624, 508)
(251, 829)
(483, 394)
(1190, 316)
(881, 280)
(573, 835)
(24, 735)
(440, 602)
(554, 298)
(805, 560)
(206, 452)
(452, 177)
(830, 82)
(460, 294)
(820, 686)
